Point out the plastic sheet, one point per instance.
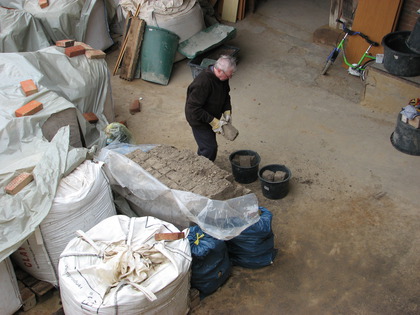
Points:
(82, 82)
(21, 213)
(221, 219)
(82, 20)
(211, 266)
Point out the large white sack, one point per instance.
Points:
(83, 199)
(119, 267)
(9, 290)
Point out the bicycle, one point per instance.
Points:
(358, 69)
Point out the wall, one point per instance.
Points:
(408, 15)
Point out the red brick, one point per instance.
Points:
(135, 107)
(29, 109)
(18, 183)
(95, 54)
(91, 117)
(43, 3)
(74, 51)
(169, 236)
(28, 87)
(85, 46)
(65, 43)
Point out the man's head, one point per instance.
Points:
(225, 67)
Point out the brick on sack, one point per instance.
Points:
(91, 117)
(85, 46)
(28, 87)
(95, 54)
(74, 51)
(415, 122)
(169, 236)
(18, 183)
(29, 109)
(65, 43)
(43, 3)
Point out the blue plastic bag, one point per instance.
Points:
(254, 247)
(211, 266)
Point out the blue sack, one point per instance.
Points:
(254, 247)
(210, 266)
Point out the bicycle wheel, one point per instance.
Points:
(365, 70)
(326, 67)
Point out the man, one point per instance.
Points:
(208, 105)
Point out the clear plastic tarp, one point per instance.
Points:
(220, 219)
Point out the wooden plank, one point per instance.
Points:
(132, 51)
(230, 10)
(375, 18)
(240, 7)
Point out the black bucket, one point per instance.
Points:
(406, 138)
(413, 41)
(275, 190)
(243, 174)
(399, 59)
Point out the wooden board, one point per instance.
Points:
(375, 18)
(132, 51)
(230, 10)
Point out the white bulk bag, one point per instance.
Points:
(83, 199)
(9, 290)
(118, 267)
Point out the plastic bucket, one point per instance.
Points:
(399, 59)
(243, 174)
(406, 138)
(158, 51)
(275, 190)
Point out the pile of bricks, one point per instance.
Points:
(33, 291)
(185, 170)
(73, 49)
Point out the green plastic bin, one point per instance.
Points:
(157, 55)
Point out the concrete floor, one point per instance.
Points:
(348, 233)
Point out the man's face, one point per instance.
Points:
(224, 75)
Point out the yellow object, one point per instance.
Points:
(197, 241)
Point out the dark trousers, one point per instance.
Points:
(206, 141)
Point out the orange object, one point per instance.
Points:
(29, 109)
(18, 183)
(65, 43)
(91, 117)
(74, 51)
(169, 236)
(43, 3)
(28, 87)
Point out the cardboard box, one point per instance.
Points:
(28, 87)
(29, 109)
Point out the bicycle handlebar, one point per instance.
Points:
(350, 32)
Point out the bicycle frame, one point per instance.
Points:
(359, 66)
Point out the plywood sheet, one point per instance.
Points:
(375, 18)
(230, 10)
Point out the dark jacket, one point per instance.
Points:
(207, 97)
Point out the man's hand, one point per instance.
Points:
(227, 115)
(217, 124)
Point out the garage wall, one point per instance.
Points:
(408, 15)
